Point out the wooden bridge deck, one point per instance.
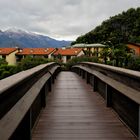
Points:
(75, 112)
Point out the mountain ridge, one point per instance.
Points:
(25, 39)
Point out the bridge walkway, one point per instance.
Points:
(75, 112)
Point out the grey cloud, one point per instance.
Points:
(60, 18)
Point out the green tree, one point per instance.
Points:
(121, 55)
(105, 54)
(121, 28)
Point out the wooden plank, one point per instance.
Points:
(74, 111)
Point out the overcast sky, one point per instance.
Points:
(60, 19)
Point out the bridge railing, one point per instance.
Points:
(119, 87)
(22, 96)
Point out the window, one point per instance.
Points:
(68, 58)
(4, 56)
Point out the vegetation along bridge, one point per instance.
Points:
(45, 103)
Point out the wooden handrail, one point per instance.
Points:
(131, 73)
(122, 75)
(122, 88)
(11, 120)
(17, 78)
(118, 86)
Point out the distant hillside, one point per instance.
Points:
(16, 37)
(122, 28)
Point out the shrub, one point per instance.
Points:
(76, 60)
(5, 74)
(134, 64)
(10, 68)
(1, 71)
(30, 62)
(7, 70)
(27, 63)
(2, 62)
(109, 63)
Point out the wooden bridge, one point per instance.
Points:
(101, 107)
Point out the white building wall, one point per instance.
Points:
(72, 57)
(81, 53)
(64, 59)
(11, 58)
(50, 56)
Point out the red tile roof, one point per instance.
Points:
(135, 44)
(35, 51)
(6, 51)
(70, 51)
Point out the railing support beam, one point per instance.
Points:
(139, 124)
(88, 77)
(94, 83)
(108, 96)
(23, 132)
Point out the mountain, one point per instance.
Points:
(17, 37)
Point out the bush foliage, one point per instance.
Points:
(2, 62)
(30, 62)
(27, 63)
(76, 60)
(7, 70)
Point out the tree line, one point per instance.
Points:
(121, 28)
(27, 63)
(115, 33)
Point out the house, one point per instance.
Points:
(9, 55)
(68, 53)
(135, 47)
(90, 49)
(35, 52)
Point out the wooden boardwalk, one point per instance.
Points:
(75, 112)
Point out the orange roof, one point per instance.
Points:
(70, 51)
(35, 51)
(135, 44)
(6, 51)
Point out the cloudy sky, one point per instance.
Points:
(60, 19)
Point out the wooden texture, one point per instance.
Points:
(15, 87)
(127, 91)
(129, 77)
(123, 99)
(75, 112)
(14, 121)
